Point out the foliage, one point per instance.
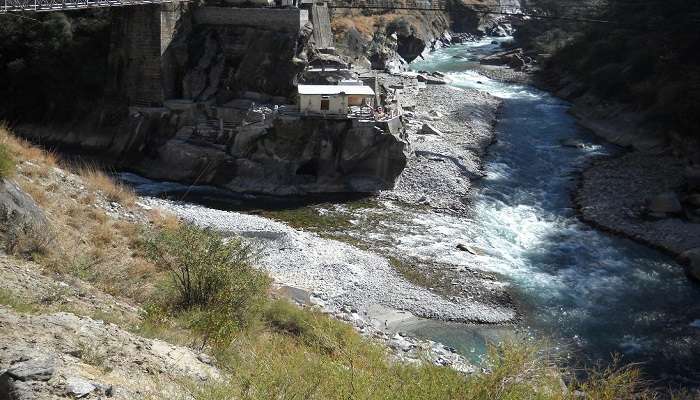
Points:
(13, 300)
(279, 365)
(312, 328)
(52, 65)
(645, 56)
(212, 279)
(7, 162)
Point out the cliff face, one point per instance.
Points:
(389, 40)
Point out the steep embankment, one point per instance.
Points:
(635, 79)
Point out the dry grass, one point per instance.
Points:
(87, 242)
(113, 191)
(24, 150)
(366, 25)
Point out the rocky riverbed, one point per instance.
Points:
(364, 282)
(614, 194)
(450, 129)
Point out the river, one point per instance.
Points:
(595, 293)
(592, 293)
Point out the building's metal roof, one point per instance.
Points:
(336, 89)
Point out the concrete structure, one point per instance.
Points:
(320, 17)
(334, 99)
(139, 53)
(277, 19)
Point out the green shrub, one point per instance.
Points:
(326, 335)
(212, 280)
(275, 366)
(7, 162)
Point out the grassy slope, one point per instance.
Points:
(286, 352)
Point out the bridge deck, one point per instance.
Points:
(57, 5)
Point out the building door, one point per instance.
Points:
(325, 104)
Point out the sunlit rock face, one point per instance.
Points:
(279, 156)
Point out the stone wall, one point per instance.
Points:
(283, 20)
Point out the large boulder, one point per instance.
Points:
(692, 177)
(428, 129)
(511, 58)
(691, 260)
(665, 203)
(23, 225)
(410, 47)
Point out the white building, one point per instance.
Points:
(334, 99)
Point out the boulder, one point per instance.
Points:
(24, 228)
(667, 203)
(693, 200)
(692, 177)
(511, 58)
(428, 129)
(32, 370)
(410, 47)
(431, 80)
(78, 387)
(691, 261)
(17, 207)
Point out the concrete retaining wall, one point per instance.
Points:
(284, 20)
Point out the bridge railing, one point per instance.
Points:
(437, 5)
(55, 5)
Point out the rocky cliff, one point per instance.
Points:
(282, 156)
(391, 39)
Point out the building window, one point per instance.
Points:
(325, 104)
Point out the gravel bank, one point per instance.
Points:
(613, 191)
(444, 166)
(338, 275)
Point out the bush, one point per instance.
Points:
(212, 280)
(7, 162)
(313, 329)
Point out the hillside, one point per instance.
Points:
(642, 65)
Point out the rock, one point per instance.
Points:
(32, 370)
(398, 342)
(428, 129)
(205, 358)
(573, 143)
(691, 261)
(512, 58)
(464, 247)
(17, 207)
(665, 203)
(432, 80)
(79, 387)
(692, 177)
(410, 47)
(693, 200)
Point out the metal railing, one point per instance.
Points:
(425, 5)
(56, 5)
